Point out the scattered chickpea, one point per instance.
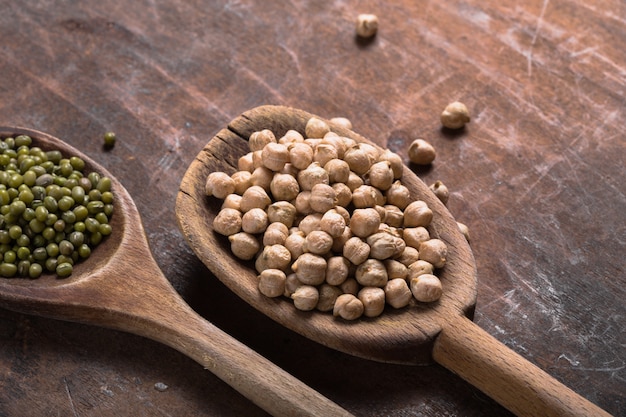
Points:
(373, 299)
(455, 115)
(343, 193)
(426, 288)
(348, 307)
(364, 222)
(291, 136)
(398, 195)
(356, 250)
(434, 251)
(340, 241)
(272, 282)
(242, 181)
(358, 159)
(316, 128)
(367, 196)
(292, 283)
(300, 155)
(395, 269)
(219, 185)
(421, 152)
(338, 142)
(441, 191)
(310, 223)
(275, 257)
(419, 267)
(395, 162)
(284, 187)
(408, 256)
(384, 245)
(414, 236)
(464, 230)
(354, 181)
(333, 223)
(305, 297)
(324, 152)
(338, 170)
(275, 234)
(295, 244)
(328, 295)
(397, 293)
(318, 242)
(245, 163)
(254, 197)
(394, 217)
(262, 177)
(232, 201)
(380, 175)
(350, 286)
(311, 175)
(302, 203)
(323, 198)
(283, 212)
(366, 25)
(227, 222)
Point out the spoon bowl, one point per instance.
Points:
(441, 332)
(120, 286)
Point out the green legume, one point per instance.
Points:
(52, 214)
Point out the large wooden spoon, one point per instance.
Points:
(121, 287)
(418, 334)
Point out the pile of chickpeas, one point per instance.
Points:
(329, 223)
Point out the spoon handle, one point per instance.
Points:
(515, 383)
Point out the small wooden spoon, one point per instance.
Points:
(121, 287)
(440, 331)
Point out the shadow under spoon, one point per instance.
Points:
(441, 332)
(120, 286)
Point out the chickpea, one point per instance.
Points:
(316, 128)
(341, 122)
(434, 251)
(464, 230)
(328, 295)
(354, 181)
(254, 221)
(358, 159)
(340, 241)
(302, 203)
(395, 162)
(356, 250)
(312, 175)
(364, 222)
(244, 245)
(337, 270)
(318, 242)
(339, 143)
(284, 187)
(275, 156)
(371, 273)
(290, 170)
(323, 153)
(394, 216)
(338, 170)
(384, 245)
(323, 198)
(421, 152)
(305, 297)
(310, 269)
(426, 288)
(262, 177)
(245, 163)
(283, 212)
(300, 155)
(408, 256)
(441, 191)
(257, 159)
(259, 139)
(273, 257)
(367, 196)
(292, 283)
(372, 151)
(397, 293)
(272, 282)
(455, 115)
(398, 195)
(310, 223)
(333, 223)
(373, 299)
(366, 25)
(291, 136)
(343, 193)
(350, 286)
(242, 181)
(414, 236)
(295, 243)
(275, 234)
(419, 267)
(232, 201)
(219, 185)
(348, 307)
(417, 214)
(227, 222)
(395, 269)
(380, 175)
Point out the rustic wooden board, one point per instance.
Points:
(537, 175)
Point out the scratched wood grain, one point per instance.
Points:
(537, 175)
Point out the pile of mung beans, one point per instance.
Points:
(328, 223)
(52, 213)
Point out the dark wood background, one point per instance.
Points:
(538, 176)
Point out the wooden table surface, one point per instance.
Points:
(538, 176)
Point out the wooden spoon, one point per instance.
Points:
(120, 286)
(440, 331)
